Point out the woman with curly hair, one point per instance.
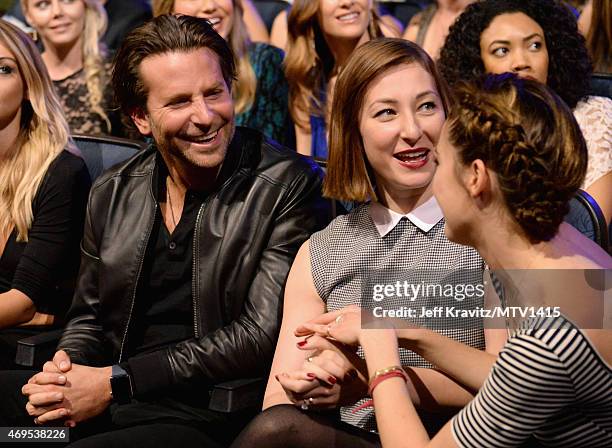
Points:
(510, 158)
(536, 39)
(76, 60)
(43, 193)
(260, 91)
(322, 35)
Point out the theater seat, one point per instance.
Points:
(601, 84)
(586, 216)
(101, 153)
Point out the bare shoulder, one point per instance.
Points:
(579, 252)
(412, 28)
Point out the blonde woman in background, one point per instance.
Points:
(43, 193)
(70, 31)
(260, 92)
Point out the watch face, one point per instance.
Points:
(121, 387)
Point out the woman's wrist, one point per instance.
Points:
(380, 349)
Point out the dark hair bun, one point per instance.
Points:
(529, 137)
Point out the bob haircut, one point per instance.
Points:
(349, 175)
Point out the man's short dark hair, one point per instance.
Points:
(164, 34)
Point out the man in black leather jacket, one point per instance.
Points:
(185, 252)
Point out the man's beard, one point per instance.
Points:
(186, 158)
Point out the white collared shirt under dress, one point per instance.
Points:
(373, 237)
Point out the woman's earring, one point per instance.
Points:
(34, 35)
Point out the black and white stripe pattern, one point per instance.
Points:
(350, 248)
(548, 382)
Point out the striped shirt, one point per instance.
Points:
(372, 238)
(548, 382)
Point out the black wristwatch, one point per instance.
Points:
(121, 385)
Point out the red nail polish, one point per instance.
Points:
(332, 380)
(301, 343)
(311, 376)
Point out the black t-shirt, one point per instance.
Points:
(45, 267)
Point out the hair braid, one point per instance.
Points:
(529, 137)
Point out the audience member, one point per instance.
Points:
(123, 16)
(595, 23)
(185, 254)
(510, 158)
(389, 27)
(536, 39)
(322, 35)
(387, 115)
(76, 60)
(43, 192)
(261, 90)
(430, 27)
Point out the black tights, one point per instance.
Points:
(285, 426)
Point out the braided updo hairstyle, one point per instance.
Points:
(569, 68)
(528, 136)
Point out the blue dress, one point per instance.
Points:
(318, 145)
(318, 129)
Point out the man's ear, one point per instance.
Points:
(141, 120)
(477, 179)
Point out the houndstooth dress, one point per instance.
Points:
(373, 238)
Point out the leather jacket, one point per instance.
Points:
(266, 204)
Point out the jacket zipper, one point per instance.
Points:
(194, 275)
(140, 263)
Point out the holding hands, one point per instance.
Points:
(332, 374)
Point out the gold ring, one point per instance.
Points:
(339, 319)
(310, 359)
(327, 331)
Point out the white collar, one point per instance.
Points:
(425, 216)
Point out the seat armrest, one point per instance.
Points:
(237, 395)
(34, 350)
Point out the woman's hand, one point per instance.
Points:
(337, 375)
(342, 325)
